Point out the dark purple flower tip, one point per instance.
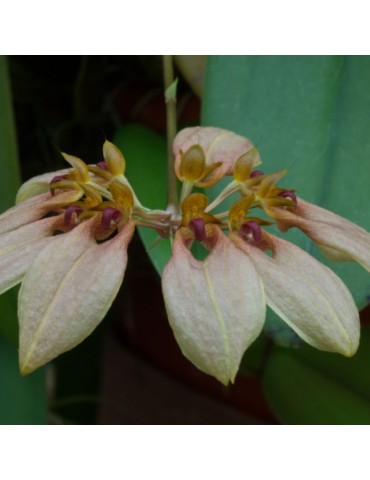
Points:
(289, 194)
(102, 165)
(251, 228)
(110, 216)
(198, 226)
(56, 179)
(256, 173)
(72, 212)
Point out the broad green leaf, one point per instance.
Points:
(310, 114)
(22, 400)
(309, 387)
(146, 156)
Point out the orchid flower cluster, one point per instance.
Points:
(66, 240)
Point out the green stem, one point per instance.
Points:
(172, 197)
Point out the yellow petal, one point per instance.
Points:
(216, 308)
(245, 163)
(80, 171)
(67, 292)
(114, 159)
(307, 295)
(193, 163)
(219, 146)
(338, 238)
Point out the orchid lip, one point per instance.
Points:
(289, 194)
(109, 216)
(103, 165)
(251, 228)
(56, 179)
(70, 215)
(198, 226)
(256, 173)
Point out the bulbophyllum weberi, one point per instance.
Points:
(67, 238)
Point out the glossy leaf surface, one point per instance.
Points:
(311, 115)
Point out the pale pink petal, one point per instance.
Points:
(338, 238)
(19, 247)
(28, 233)
(219, 145)
(307, 295)
(35, 208)
(37, 185)
(67, 291)
(216, 308)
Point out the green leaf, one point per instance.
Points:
(10, 177)
(22, 400)
(9, 318)
(9, 183)
(312, 115)
(306, 386)
(352, 372)
(146, 156)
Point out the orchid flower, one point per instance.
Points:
(214, 311)
(66, 240)
(68, 246)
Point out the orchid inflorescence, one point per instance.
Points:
(66, 240)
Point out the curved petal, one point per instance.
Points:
(67, 291)
(219, 145)
(338, 238)
(307, 295)
(37, 185)
(35, 208)
(14, 239)
(19, 247)
(216, 308)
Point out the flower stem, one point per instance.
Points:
(170, 98)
